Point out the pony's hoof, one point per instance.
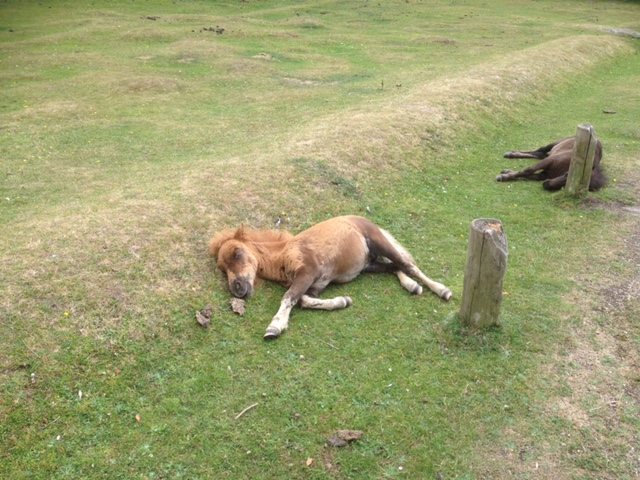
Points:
(499, 178)
(508, 155)
(347, 302)
(417, 290)
(446, 295)
(272, 333)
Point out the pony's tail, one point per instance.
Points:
(396, 244)
(598, 179)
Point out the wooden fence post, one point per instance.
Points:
(581, 166)
(486, 265)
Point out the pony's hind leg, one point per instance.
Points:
(437, 288)
(387, 267)
(389, 247)
(540, 153)
(518, 154)
(409, 283)
(555, 183)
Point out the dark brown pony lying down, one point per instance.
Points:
(334, 251)
(553, 167)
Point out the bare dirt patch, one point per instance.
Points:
(148, 85)
(296, 82)
(264, 56)
(596, 370)
(616, 295)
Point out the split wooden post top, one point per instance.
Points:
(484, 275)
(584, 151)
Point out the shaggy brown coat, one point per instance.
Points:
(334, 251)
(553, 167)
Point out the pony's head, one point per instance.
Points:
(237, 260)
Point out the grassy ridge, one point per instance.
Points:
(126, 141)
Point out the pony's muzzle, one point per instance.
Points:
(241, 287)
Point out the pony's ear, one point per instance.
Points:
(217, 241)
(240, 233)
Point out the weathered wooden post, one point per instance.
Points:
(486, 265)
(581, 166)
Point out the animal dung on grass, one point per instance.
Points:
(344, 438)
(218, 30)
(203, 317)
(554, 163)
(238, 306)
(334, 251)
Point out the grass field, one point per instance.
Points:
(130, 132)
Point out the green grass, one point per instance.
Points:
(126, 142)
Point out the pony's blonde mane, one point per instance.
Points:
(246, 235)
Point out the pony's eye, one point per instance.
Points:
(238, 254)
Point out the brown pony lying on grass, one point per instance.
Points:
(334, 251)
(553, 166)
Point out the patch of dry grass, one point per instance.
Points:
(358, 144)
(446, 105)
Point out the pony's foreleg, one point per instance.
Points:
(281, 319)
(529, 173)
(325, 304)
